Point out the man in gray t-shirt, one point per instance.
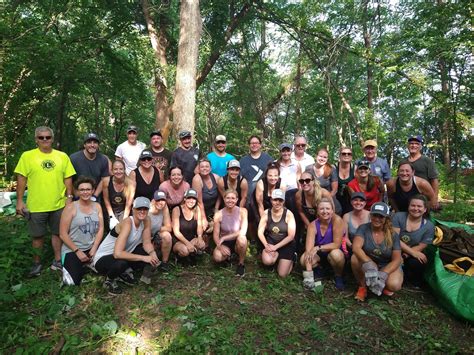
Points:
(424, 166)
(90, 162)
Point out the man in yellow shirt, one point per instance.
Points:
(47, 172)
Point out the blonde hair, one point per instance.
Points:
(231, 191)
(388, 232)
(327, 200)
(127, 183)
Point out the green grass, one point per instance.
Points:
(207, 309)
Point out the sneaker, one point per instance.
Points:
(240, 270)
(165, 267)
(147, 273)
(56, 265)
(387, 292)
(361, 294)
(35, 270)
(112, 287)
(319, 273)
(339, 283)
(127, 278)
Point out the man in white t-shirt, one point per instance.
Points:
(299, 154)
(129, 151)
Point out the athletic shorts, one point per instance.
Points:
(38, 223)
(230, 244)
(287, 252)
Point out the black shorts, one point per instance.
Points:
(230, 244)
(287, 252)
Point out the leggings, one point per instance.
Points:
(113, 268)
(75, 267)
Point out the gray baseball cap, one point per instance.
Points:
(141, 202)
(278, 194)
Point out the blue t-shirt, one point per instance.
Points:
(379, 167)
(218, 163)
(424, 234)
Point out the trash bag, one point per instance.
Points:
(452, 285)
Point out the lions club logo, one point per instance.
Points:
(377, 252)
(276, 230)
(48, 165)
(405, 238)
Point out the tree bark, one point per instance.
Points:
(188, 50)
(60, 114)
(368, 53)
(159, 43)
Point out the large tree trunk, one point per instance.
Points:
(159, 43)
(63, 97)
(190, 24)
(368, 51)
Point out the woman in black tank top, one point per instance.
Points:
(233, 180)
(276, 231)
(187, 226)
(118, 192)
(265, 187)
(146, 176)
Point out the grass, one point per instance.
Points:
(207, 309)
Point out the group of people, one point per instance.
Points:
(151, 203)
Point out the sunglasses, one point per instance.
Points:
(300, 145)
(44, 138)
(346, 153)
(363, 168)
(146, 159)
(221, 142)
(304, 181)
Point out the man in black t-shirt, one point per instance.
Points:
(161, 155)
(89, 162)
(186, 156)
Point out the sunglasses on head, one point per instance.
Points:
(44, 138)
(305, 181)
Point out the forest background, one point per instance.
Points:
(338, 72)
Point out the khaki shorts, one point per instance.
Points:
(39, 221)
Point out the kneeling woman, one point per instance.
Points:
(230, 228)
(187, 226)
(416, 233)
(377, 256)
(323, 245)
(128, 246)
(276, 231)
(81, 230)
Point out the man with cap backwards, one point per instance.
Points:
(424, 166)
(48, 173)
(91, 163)
(161, 155)
(186, 156)
(378, 166)
(219, 157)
(129, 151)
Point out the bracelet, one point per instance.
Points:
(77, 249)
(70, 196)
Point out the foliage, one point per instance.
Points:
(206, 309)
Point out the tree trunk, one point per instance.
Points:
(298, 94)
(368, 51)
(63, 96)
(188, 46)
(159, 43)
